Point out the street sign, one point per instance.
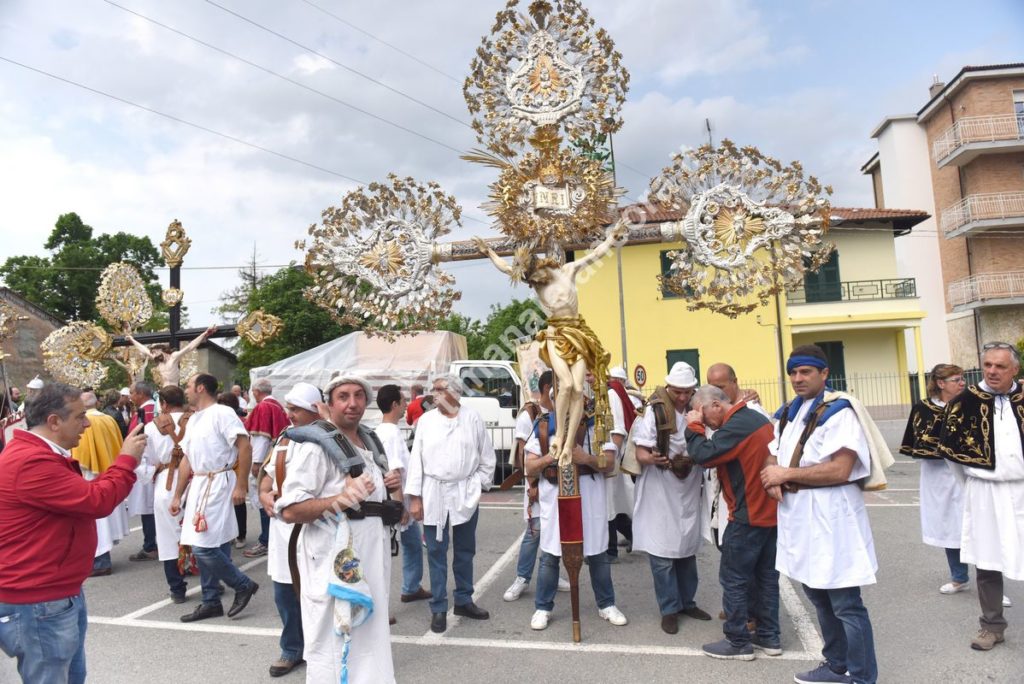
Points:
(640, 375)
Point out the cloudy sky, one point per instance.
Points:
(801, 79)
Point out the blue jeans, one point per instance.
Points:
(463, 539)
(675, 582)
(102, 561)
(748, 560)
(264, 528)
(600, 581)
(175, 580)
(528, 550)
(412, 557)
(47, 638)
(291, 620)
(148, 532)
(620, 524)
(215, 566)
(957, 570)
(846, 629)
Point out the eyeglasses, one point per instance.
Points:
(997, 345)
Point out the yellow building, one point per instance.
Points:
(856, 307)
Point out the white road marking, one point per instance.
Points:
(134, 529)
(191, 592)
(805, 628)
(462, 642)
(480, 587)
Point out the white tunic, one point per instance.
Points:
(523, 431)
(280, 531)
(452, 461)
(168, 527)
(311, 476)
(993, 525)
(619, 493)
(111, 529)
(140, 498)
(260, 448)
(825, 537)
(592, 503)
(398, 455)
(209, 444)
(667, 515)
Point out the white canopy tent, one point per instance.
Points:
(409, 359)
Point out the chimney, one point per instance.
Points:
(935, 87)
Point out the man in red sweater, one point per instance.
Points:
(48, 518)
(739, 449)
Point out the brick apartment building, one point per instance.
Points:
(971, 130)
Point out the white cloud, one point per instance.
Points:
(310, 64)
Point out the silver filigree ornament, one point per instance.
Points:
(551, 66)
(372, 257)
(752, 226)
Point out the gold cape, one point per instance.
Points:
(100, 443)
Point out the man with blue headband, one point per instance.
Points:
(824, 537)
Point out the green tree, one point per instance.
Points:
(496, 337)
(65, 282)
(305, 325)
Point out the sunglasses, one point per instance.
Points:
(997, 345)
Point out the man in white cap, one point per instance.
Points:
(336, 486)
(667, 515)
(33, 386)
(620, 486)
(301, 405)
(452, 462)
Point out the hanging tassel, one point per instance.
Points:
(344, 658)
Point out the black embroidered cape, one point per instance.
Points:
(966, 436)
(921, 439)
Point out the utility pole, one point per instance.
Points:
(707, 125)
(618, 265)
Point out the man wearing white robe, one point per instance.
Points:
(667, 514)
(620, 486)
(215, 441)
(140, 501)
(595, 524)
(825, 539)
(452, 462)
(315, 492)
(158, 454)
(992, 536)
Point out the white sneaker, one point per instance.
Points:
(612, 615)
(954, 588)
(516, 590)
(539, 620)
(563, 584)
(1007, 602)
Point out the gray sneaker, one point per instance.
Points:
(823, 674)
(725, 650)
(768, 646)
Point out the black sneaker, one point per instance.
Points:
(823, 674)
(725, 650)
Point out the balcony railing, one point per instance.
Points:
(853, 291)
(973, 129)
(1000, 205)
(985, 286)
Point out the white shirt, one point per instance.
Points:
(523, 431)
(452, 461)
(397, 452)
(618, 414)
(209, 443)
(667, 514)
(1006, 442)
(592, 502)
(825, 537)
(280, 531)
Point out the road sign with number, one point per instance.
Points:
(640, 375)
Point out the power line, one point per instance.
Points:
(340, 64)
(281, 76)
(177, 119)
(382, 41)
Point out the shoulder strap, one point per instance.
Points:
(783, 415)
(812, 424)
(293, 561)
(372, 440)
(279, 465)
(662, 438)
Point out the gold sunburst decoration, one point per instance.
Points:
(372, 257)
(122, 299)
(72, 354)
(175, 245)
(752, 226)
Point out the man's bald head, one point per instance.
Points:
(89, 400)
(722, 376)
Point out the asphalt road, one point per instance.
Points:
(921, 636)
